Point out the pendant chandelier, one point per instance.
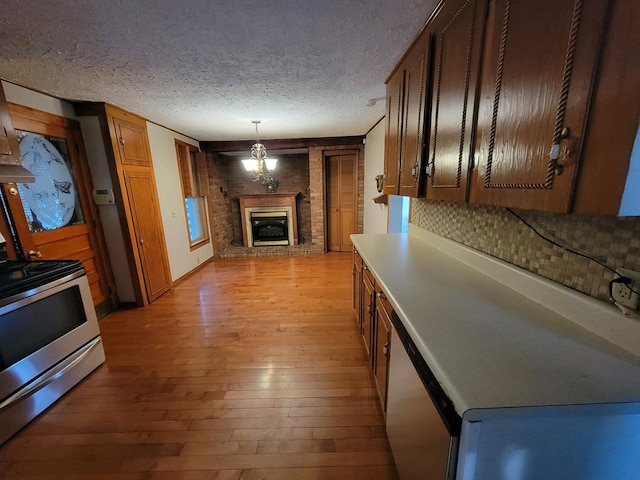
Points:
(259, 166)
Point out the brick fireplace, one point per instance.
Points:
(271, 211)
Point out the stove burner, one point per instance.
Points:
(9, 266)
(21, 276)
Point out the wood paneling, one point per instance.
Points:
(248, 369)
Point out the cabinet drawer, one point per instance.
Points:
(357, 259)
(384, 302)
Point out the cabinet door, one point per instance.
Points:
(383, 346)
(369, 302)
(393, 139)
(357, 288)
(132, 143)
(9, 150)
(537, 78)
(148, 232)
(413, 117)
(457, 36)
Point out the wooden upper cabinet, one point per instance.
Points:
(393, 133)
(9, 150)
(131, 138)
(457, 35)
(537, 78)
(413, 117)
(406, 105)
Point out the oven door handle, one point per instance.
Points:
(51, 375)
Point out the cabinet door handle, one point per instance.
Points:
(369, 308)
(35, 254)
(121, 140)
(385, 349)
(382, 296)
(554, 153)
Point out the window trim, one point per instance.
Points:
(190, 172)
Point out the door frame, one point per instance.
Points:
(356, 194)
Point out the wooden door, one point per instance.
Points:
(55, 217)
(413, 117)
(457, 35)
(142, 197)
(537, 77)
(341, 203)
(393, 132)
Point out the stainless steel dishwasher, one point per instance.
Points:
(422, 425)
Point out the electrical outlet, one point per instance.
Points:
(627, 295)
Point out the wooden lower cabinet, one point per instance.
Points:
(373, 312)
(357, 288)
(382, 346)
(368, 317)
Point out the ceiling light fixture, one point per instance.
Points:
(259, 166)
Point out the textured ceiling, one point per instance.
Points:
(206, 68)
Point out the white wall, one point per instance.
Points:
(38, 101)
(111, 226)
(375, 214)
(174, 216)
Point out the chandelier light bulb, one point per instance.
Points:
(259, 166)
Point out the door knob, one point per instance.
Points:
(35, 254)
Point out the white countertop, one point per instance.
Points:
(491, 346)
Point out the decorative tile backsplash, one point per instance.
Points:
(497, 232)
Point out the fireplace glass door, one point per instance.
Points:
(269, 228)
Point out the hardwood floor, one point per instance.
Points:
(249, 369)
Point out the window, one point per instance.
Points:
(195, 188)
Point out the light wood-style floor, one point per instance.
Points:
(249, 369)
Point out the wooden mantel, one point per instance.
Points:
(268, 200)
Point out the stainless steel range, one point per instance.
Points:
(49, 336)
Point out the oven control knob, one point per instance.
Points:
(35, 254)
